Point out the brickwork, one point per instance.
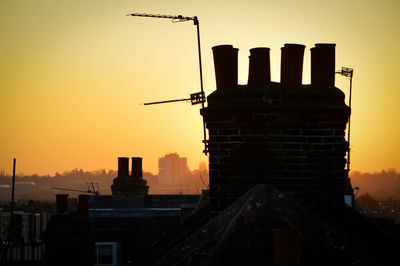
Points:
(288, 136)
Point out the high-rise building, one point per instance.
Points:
(172, 169)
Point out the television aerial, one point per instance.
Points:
(93, 188)
(195, 98)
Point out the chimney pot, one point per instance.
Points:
(62, 203)
(83, 205)
(259, 67)
(323, 64)
(137, 167)
(123, 166)
(292, 63)
(287, 247)
(226, 65)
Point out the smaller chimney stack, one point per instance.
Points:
(226, 65)
(292, 63)
(62, 203)
(129, 186)
(259, 67)
(137, 171)
(323, 64)
(123, 166)
(83, 205)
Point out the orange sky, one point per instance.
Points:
(73, 75)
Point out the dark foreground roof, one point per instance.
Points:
(243, 234)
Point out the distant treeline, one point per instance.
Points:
(380, 185)
(35, 187)
(40, 187)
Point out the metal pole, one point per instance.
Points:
(12, 202)
(196, 22)
(348, 132)
(10, 236)
(168, 101)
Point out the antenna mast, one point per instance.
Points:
(195, 98)
(348, 72)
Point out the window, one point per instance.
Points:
(106, 253)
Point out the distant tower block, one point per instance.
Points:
(129, 186)
(172, 168)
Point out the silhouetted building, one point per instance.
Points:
(277, 183)
(121, 229)
(27, 243)
(172, 169)
(277, 176)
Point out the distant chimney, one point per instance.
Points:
(226, 65)
(259, 67)
(287, 247)
(292, 64)
(62, 203)
(123, 166)
(137, 167)
(83, 205)
(129, 186)
(323, 64)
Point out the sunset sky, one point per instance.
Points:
(74, 75)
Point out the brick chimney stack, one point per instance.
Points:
(285, 134)
(129, 186)
(61, 203)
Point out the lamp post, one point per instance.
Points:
(348, 72)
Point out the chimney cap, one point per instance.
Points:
(259, 49)
(222, 46)
(325, 45)
(293, 45)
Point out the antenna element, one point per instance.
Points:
(195, 98)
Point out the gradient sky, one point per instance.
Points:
(73, 75)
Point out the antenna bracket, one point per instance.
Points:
(198, 97)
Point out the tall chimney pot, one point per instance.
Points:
(323, 64)
(226, 65)
(123, 166)
(137, 167)
(259, 67)
(292, 63)
(83, 205)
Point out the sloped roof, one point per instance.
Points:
(243, 234)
